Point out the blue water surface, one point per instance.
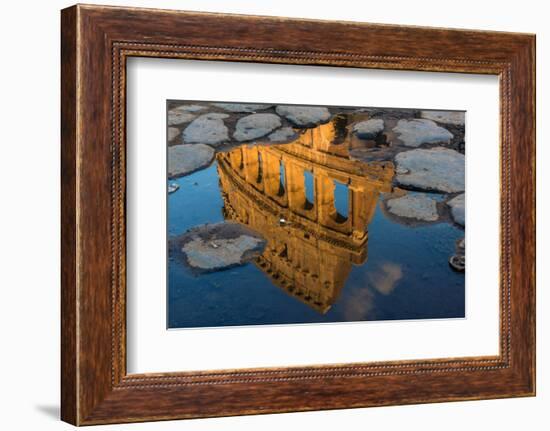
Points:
(406, 274)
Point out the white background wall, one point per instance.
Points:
(29, 215)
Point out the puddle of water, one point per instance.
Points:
(338, 259)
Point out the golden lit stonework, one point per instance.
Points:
(311, 246)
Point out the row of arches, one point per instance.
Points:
(305, 181)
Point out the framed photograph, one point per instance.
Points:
(260, 217)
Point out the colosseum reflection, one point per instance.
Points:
(311, 202)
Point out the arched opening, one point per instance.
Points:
(282, 179)
(341, 201)
(260, 169)
(340, 123)
(309, 190)
(241, 164)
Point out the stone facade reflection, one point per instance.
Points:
(311, 245)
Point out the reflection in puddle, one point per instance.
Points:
(385, 279)
(310, 253)
(318, 203)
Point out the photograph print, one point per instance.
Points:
(288, 214)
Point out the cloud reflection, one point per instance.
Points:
(358, 305)
(385, 277)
